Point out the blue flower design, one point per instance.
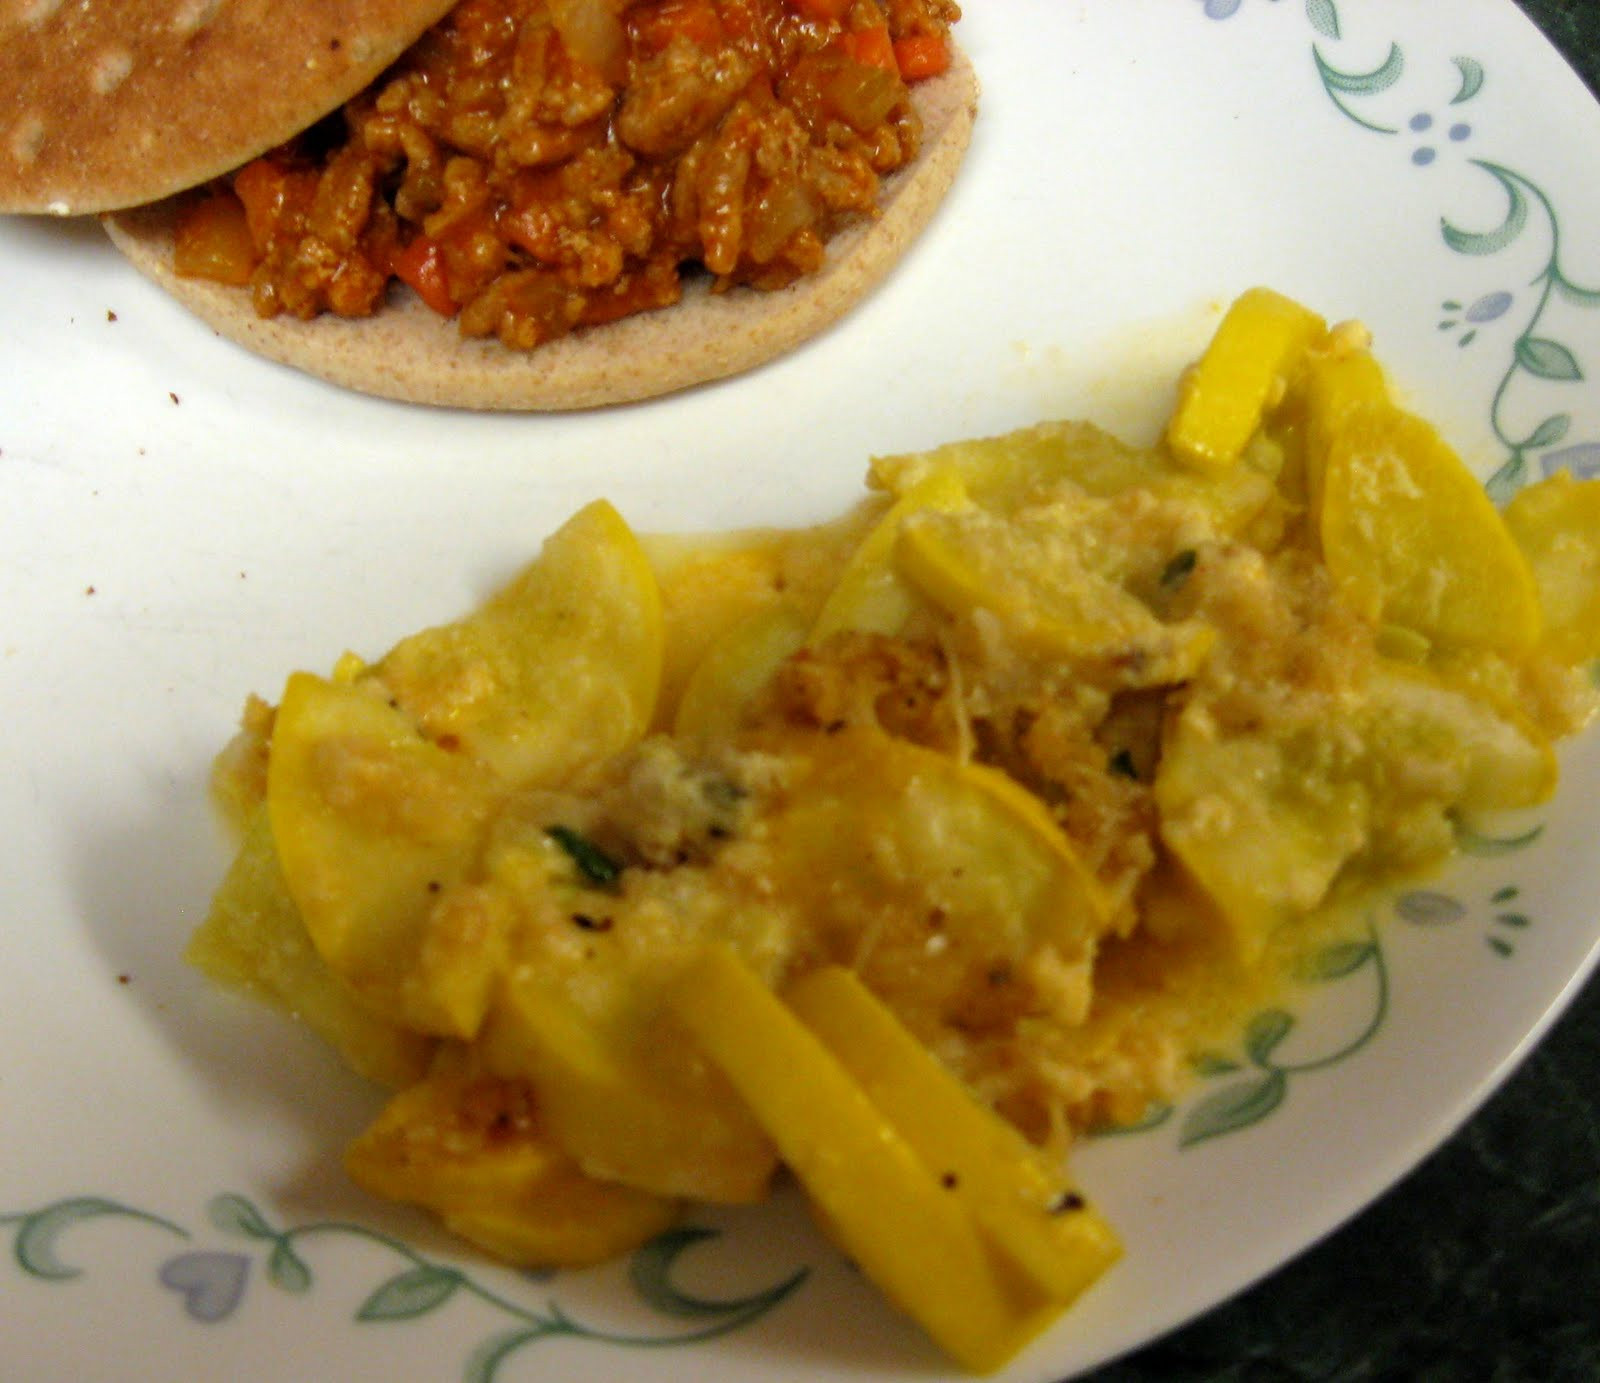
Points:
(1583, 461)
(1489, 308)
(1223, 9)
(211, 1284)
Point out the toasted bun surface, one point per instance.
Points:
(112, 103)
(409, 352)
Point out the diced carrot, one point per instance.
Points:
(655, 26)
(420, 266)
(870, 48)
(920, 56)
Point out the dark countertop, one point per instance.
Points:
(1484, 1264)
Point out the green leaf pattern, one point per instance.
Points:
(418, 1288)
(1323, 16)
(410, 1294)
(1258, 1083)
(1253, 1085)
(1538, 360)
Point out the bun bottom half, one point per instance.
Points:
(410, 353)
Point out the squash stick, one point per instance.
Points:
(1023, 1203)
(1221, 402)
(898, 1220)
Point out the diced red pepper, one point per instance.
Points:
(920, 56)
(420, 266)
(870, 48)
(823, 11)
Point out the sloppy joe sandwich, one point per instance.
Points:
(537, 204)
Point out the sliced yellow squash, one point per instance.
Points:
(1245, 369)
(1264, 820)
(1020, 1197)
(1337, 385)
(871, 595)
(375, 827)
(1033, 465)
(899, 1221)
(625, 1096)
(254, 937)
(1411, 538)
(1046, 581)
(1556, 523)
(733, 672)
(474, 1150)
(559, 669)
(1480, 754)
(886, 846)
(1260, 822)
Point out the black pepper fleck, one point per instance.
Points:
(1178, 570)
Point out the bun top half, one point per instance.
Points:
(114, 103)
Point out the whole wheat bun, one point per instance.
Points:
(113, 103)
(409, 352)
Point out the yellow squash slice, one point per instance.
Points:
(895, 1217)
(1338, 385)
(882, 835)
(254, 937)
(733, 672)
(473, 1150)
(1259, 344)
(1257, 822)
(559, 669)
(1049, 589)
(375, 827)
(626, 1098)
(1411, 538)
(381, 784)
(1019, 1196)
(1556, 523)
(872, 596)
(1032, 465)
(1264, 820)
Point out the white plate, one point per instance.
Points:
(183, 524)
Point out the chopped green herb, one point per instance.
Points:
(722, 792)
(1178, 569)
(593, 863)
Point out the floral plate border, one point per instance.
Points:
(212, 1263)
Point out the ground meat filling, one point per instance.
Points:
(532, 166)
